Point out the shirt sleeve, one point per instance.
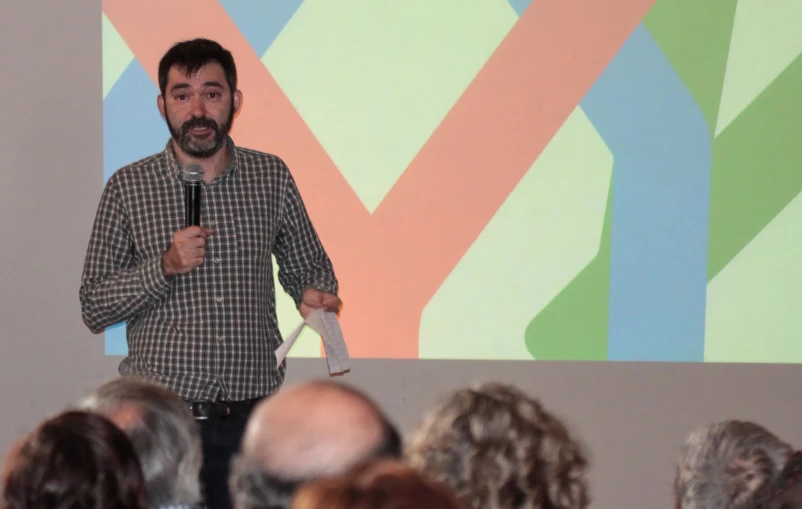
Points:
(113, 288)
(302, 260)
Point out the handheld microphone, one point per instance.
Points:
(192, 176)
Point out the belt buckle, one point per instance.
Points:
(193, 405)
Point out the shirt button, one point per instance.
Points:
(212, 223)
(220, 338)
(216, 260)
(219, 299)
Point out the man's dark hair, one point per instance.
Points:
(253, 488)
(190, 56)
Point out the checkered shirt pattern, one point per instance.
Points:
(210, 334)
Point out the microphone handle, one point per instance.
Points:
(193, 204)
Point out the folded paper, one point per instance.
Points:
(326, 324)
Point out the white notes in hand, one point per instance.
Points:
(326, 324)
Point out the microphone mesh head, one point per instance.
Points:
(192, 173)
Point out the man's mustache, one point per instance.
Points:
(199, 122)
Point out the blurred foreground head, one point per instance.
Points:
(74, 460)
(305, 432)
(383, 484)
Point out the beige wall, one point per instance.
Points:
(631, 415)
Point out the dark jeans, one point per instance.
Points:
(221, 439)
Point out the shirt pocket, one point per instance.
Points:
(254, 235)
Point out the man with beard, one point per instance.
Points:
(199, 301)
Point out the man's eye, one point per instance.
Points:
(181, 97)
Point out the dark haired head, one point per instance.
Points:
(377, 485)
(190, 56)
(74, 460)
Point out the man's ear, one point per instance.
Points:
(160, 104)
(237, 101)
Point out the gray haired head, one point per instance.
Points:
(165, 436)
(192, 173)
(728, 465)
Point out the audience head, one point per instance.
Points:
(498, 448)
(74, 460)
(304, 432)
(383, 484)
(163, 432)
(728, 465)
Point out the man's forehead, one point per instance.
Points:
(209, 72)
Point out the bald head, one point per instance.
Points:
(317, 428)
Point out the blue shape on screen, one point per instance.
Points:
(260, 21)
(115, 340)
(660, 205)
(520, 5)
(132, 129)
(132, 126)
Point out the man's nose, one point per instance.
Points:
(198, 106)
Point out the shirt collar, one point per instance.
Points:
(175, 169)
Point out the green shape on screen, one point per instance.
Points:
(374, 79)
(574, 326)
(544, 234)
(757, 167)
(695, 38)
(753, 303)
(766, 37)
(308, 342)
(116, 55)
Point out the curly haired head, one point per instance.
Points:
(728, 465)
(498, 448)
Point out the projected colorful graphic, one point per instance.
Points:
(494, 179)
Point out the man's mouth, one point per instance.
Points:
(201, 131)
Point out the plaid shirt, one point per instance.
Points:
(209, 334)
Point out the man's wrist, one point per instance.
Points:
(155, 283)
(166, 271)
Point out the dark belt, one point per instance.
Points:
(222, 409)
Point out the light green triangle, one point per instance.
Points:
(753, 303)
(308, 342)
(373, 79)
(766, 38)
(117, 56)
(545, 233)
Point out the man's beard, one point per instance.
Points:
(208, 145)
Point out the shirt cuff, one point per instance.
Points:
(153, 281)
(323, 287)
